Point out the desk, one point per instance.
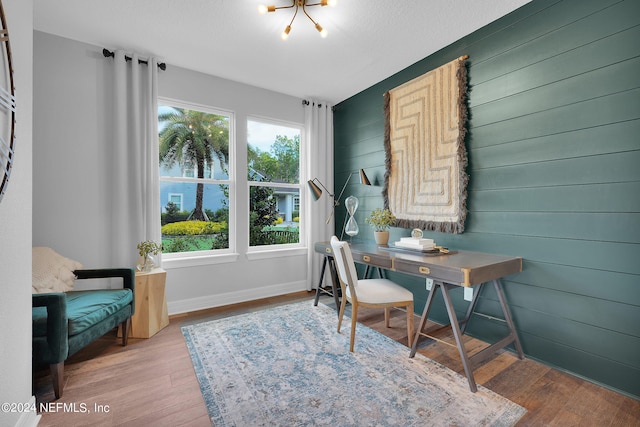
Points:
(463, 268)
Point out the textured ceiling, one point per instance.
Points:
(368, 40)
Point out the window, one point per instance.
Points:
(175, 199)
(195, 154)
(273, 159)
(296, 204)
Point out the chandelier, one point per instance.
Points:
(297, 4)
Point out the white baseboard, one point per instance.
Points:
(29, 418)
(218, 300)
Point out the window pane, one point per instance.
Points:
(274, 219)
(194, 151)
(181, 232)
(273, 152)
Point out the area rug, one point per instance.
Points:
(425, 128)
(287, 366)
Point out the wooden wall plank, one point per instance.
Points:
(607, 285)
(610, 49)
(578, 311)
(612, 138)
(586, 86)
(623, 227)
(615, 108)
(609, 197)
(605, 168)
(557, 33)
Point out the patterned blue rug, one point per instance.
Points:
(287, 366)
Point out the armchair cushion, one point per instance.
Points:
(84, 309)
(52, 272)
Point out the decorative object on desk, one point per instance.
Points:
(147, 251)
(381, 237)
(315, 184)
(351, 226)
(420, 244)
(416, 233)
(381, 220)
(425, 127)
(265, 378)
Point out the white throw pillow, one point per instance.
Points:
(51, 272)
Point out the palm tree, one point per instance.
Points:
(194, 137)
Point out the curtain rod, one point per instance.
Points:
(107, 53)
(306, 102)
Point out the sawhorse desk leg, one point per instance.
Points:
(366, 272)
(469, 362)
(328, 261)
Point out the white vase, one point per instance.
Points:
(382, 237)
(146, 264)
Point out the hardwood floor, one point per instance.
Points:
(152, 381)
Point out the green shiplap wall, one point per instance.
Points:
(554, 166)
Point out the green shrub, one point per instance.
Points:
(192, 228)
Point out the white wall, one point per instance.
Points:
(15, 229)
(71, 139)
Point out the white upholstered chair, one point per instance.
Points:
(376, 293)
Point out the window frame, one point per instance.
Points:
(268, 251)
(213, 256)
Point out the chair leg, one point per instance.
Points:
(387, 315)
(125, 326)
(57, 376)
(354, 315)
(343, 305)
(410, 324)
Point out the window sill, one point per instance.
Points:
(276, 253)
(197, 261)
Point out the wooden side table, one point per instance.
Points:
(151, 304)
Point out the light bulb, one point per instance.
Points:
(262, 9)
(285, 33)
(322, 31)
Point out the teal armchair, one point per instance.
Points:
(65, 322)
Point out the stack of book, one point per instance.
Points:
(417, 244)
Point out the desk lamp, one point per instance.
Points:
(316, 192)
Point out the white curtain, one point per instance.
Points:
(135, 195)
(318, 118)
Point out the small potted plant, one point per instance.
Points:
(147, 250)
(381, 220)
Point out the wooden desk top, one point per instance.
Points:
(463, 268)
